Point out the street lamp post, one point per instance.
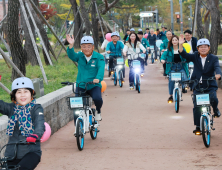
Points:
(171, 8)
(190, 6)
(181, 16)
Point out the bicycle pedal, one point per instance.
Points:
(181, 100)
(213, 128)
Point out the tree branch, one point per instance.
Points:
(123, 7)
(111, 5)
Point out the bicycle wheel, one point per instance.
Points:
(115, 78)
(205, 131)
(120, 79)
(152, 58)
(177, 100)
(138, 83)
(93, 131)
(80, 134)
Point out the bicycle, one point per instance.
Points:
(118, 71)
(135, 65)
(206, 119)
(4, 160)
(177, 92)
(84, 114)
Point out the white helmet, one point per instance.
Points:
(114, 34)
(132, 29)
(203, 41)
(22, 82)
(140, 30)
(87, 40)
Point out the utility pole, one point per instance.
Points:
(152, 16)
(190, 6)
(171, 8)
(181, 16)
(157, 18)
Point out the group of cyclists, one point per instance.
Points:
(26, 118)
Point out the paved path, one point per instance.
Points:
(138, 131)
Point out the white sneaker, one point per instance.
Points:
(98, 116)
(131, 87)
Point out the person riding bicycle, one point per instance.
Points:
(152, 41)
(126, 35)
(145, 43)
(132, 30)
(163, 33)
(206, 65)
(91, 67)
(192, 41)
(163, 47)
(133, 47)
(105, 42)
(114, 48)
(26, 123)
(172, 55)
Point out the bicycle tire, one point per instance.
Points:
(138, 83)
(177, 101)
(93, 131)
(205, 132)
(120, 79)
(115, 78)
(80, 135)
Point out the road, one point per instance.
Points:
(138, 131)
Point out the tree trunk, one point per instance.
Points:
(207, 24)
(200, 29)
(215, 24)
(95, 25)
(77, 24)
(29, 49)
(14, 39)
(85, 16)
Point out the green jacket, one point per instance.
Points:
(87, 72)
(164, 44)
(117, 50)
(145, 43)
(169, 56)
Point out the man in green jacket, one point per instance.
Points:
(164, 46)
(91, 66)
(145, 44)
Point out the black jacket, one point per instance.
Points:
(194, 43)
(210, 68)
(125, 37)
(39, 128)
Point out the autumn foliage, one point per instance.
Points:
(48, 11)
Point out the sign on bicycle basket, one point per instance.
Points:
(107, 56)
(203, 99)
(152, 47)
(120, 61)
(191, 65)
(143, 55)
(136, 63)
(176, 76)
(76, 102)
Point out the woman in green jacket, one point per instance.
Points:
(172, 55)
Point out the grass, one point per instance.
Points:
(63, 70)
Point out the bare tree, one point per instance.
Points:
(85, 15)
(14, 39)
(200, 29)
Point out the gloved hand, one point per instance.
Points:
(32, 138)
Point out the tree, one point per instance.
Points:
(14, 41)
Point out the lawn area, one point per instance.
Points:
(63, 70)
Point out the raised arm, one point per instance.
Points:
(70, 50)
(182, 52)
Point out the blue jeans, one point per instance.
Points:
(184, 76)
(95, 93)
(197, 110)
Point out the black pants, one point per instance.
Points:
(164, 69)
(197, 110)
(28, 162)
(111, 65)
(95, 93)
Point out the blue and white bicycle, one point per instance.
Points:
(202, 100)
(84, 115)
(119, 66)
(135, 65)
